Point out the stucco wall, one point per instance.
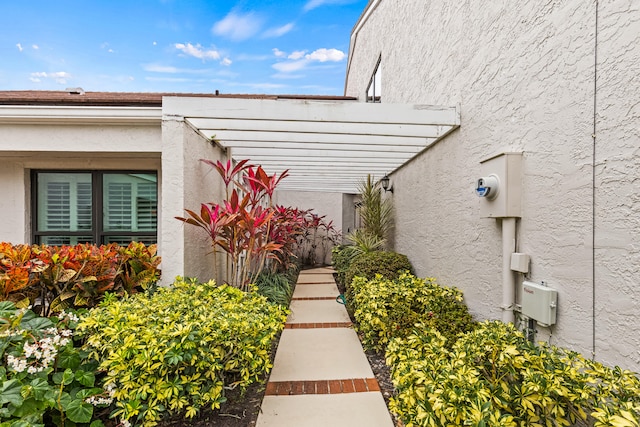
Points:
(186, 183)
(202, 184)
(617, 247)
(13, 202)
(328, 205)
(524, 79)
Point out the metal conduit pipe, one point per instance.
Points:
(508, 276)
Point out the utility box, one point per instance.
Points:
(500, 186)
(520, 262)
(539, 303)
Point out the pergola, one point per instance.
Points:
(327, 146)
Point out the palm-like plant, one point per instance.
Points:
(376, 213)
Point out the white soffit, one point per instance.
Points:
(327, 146)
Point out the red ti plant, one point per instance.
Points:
(287, 225)
(240, 226)
(228, 171)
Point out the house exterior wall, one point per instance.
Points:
(524, 79)
(24, 147)
(186, 183)
(329, 205)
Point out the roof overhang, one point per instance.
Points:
(80, 115)
(327, 146)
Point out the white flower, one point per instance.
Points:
(17, 364)
(96, 400)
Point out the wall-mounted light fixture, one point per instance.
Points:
(386, 185)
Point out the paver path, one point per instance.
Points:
(321, 376)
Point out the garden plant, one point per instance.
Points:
(45, 377)
(176, 350)
(493, 376)
(388, 308)
(248, 229)
(51, 278)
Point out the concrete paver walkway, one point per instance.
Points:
(321, 376)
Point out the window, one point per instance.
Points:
(94, 207)
(374, 90)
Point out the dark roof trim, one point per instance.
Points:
(130, 99)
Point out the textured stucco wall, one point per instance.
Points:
(202, 184)
(328, 205)
(14, 226)
(617, 240)
(186, 183)
(79, 138)
(524, 79)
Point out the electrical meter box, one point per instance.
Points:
(539, 303)
(500, 186)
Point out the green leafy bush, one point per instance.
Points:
(493, 376)
(386, 308)
(341, 257)
(388, 264)
(43, 377)
(275, 286)
(174, 351)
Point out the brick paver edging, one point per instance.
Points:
(313, 298)
(353, 385)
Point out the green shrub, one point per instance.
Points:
(174, 351)
(341, 257)
(388, 264)
(275, 286)
(43, 377)
(493, 376)
(385, 308)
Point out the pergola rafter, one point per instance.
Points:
(325, 145)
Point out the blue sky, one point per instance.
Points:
(267, 46)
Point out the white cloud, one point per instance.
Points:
(35, 46)
(324, 55)
(226, 62)
(155, 43)
(300, 59)
(297, 54)
(155, 68)
(60, 77)
(238, 27)
(312, 4)
(19, 46)
(197, 51)
(278, 53)
(287, 76)
(168, 69)
(290, 66)
(105, 46)
(278, 31)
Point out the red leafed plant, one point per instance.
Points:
(246, 227)
(52, 278)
